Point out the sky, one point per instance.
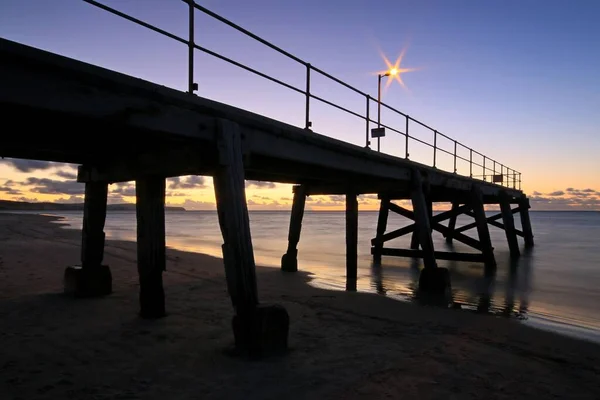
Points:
(515, 80)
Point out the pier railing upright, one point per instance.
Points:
(480, 166)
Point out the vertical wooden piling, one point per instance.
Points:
(452, 222)
(423, 226)
(289, 261)
(525, 221)
(91, 278)
(482, 227)
(351, 241)
(381, 226)
(94, 217)
(238, 255)
(509, 225)
(150, 212)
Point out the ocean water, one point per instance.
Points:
(555, 285)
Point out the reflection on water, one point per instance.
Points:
(555, 284)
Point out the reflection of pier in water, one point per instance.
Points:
(482, 294)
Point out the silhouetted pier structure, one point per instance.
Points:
(65, 110)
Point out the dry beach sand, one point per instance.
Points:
(342, 345)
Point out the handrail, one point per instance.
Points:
(508, 177)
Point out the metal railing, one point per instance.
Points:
(485, 169)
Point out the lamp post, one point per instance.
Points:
(391, 72)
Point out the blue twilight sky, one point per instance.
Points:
(517, 80)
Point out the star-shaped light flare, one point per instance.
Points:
(395, 70)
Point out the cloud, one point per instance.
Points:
(541, 194)
(51, 186)
(588, 190)
(71, 199)
(569, 199)
(175, 194)
(23, 165)
(61, 173)
(124, 189)
(188, 182)
(10, 191)
(260, 184)
(568, 190)
(557, 193)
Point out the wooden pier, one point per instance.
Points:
(120, 128)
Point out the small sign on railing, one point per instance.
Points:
(377, 132)
(498, 178)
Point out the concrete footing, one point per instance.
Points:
(87, 282)
(435, 285)
(262, 331)
(289, 261)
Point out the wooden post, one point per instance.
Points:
(423, 226)
(289, 261)
(381, 227)
(452, 222)
(482, 227)
(94, 217)
(257, 329)
(238, 255)
(351, 241)
(526, 222)
(509, 225)
(91, 278)
(151, 258)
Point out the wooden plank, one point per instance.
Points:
(94, 217)
(439, 255)
(526, 222)
(232, 209)
(452, 223)
(469, 241)
(351, 241)
(393, 235)
(289, 261)
(509, 225)
(382, 220)
(482, 227)
(151, 259)
(421, 214)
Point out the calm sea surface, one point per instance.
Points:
(556, 285)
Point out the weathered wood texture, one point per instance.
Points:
(421, 213)
(509, 225)
(94, 217)
(289, 261)
(482, 227)
(452, 222)
(351, 241)
(150, 212)
(381, 226)
(526, 222)
(238, 255)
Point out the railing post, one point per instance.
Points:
(367, 141)
(434, 146)
(514, 179)
(470, 163)
(494, 171)
(406, 151)
(307, 123)
(455, 156)
(484, 168)
(519, 181)
(191, 85)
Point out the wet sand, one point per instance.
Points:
(342, 345)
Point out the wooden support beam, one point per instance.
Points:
(94, 217)
(378, 241)
(490, 220)
(509, 225)
(351, 241)
(421, 213)
(91, 278)
(452, 222)
(289, 261)
(482, 227)
(381, 227)
(526, 222)
(439, 255)
(258, 329)
(232, 209)
(151, 258)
